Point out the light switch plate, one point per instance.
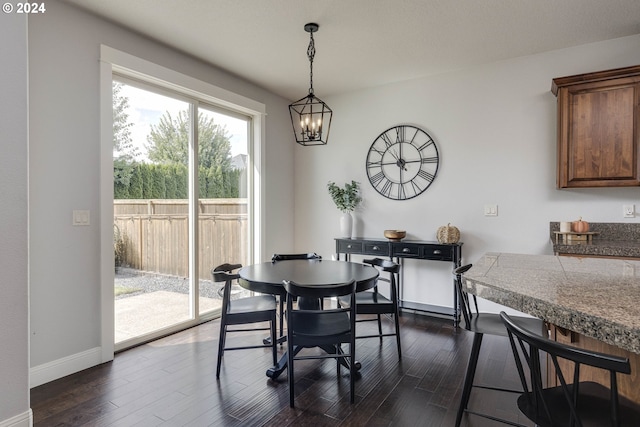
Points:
(81, 217)
(490, 210)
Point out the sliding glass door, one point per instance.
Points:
(180, 207)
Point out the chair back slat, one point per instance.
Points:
(389, 267)
(527, 348)
(222, 273)
(324, 291)
(463, 296)
(309, 326)
(289, 257)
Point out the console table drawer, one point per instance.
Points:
(439, 253)
(349, 247)
(406, 250)
(378, 249)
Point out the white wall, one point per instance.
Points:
(495, 126)
(64, 173)
(14, 291)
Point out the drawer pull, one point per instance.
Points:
(376, 248)
(348, 246)
(437, 252)
(406, 250)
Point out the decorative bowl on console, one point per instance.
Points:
(395, 234)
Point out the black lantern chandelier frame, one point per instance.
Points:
(310, 116)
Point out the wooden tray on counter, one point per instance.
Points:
(569, 237)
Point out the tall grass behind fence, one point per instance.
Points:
(155, 234)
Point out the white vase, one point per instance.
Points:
(346, 224)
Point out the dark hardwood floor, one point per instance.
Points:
(171, 382)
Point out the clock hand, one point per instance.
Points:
(395, 156)
(399, 161)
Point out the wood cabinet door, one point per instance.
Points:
(598, 134)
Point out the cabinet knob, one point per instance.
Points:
(437, 252)
(348, 246)
(375, 248)
(406, 250)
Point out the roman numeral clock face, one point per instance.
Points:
(402, 162)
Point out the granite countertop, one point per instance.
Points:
(596, 297)
(611, 240)
(598, 247)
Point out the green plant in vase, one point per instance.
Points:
(346, 199)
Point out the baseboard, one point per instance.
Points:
(426, 309)
(47, 372)
(23, 420)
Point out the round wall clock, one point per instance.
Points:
(402, 162)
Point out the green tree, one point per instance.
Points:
(168, 141)
(122, 141)
(182, 183)
(147, 181)
(124, 152)
(170, 181)
(136, 185)
(158, 189)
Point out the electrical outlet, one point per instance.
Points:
(628, 211)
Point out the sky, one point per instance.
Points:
(146, 108)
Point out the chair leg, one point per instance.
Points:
(468, 378)
(274, 339)
(281, 298)
(352, 371)
(290, 375)
(379, 327)
(223, 333)
(397, 325)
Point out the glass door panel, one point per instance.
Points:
(151, 237)
(223, 141)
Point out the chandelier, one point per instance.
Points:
(310, 116)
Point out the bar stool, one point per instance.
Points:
(481, 324)
(573, 402)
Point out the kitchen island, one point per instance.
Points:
(591, 302)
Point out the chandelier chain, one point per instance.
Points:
(311, 53)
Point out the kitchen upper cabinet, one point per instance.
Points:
(598, 135)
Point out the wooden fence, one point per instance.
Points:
(155, 234)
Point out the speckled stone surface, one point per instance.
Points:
(596, 297)
(613, 239)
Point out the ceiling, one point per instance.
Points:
(365, 43)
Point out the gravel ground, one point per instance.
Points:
(138, 282)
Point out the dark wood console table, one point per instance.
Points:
(399, 250)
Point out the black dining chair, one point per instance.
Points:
(374, 302)
(290, 257)
(241, 311)
(572, 402)
(481, 324)
(328, 329)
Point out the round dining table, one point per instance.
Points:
(268, 278)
